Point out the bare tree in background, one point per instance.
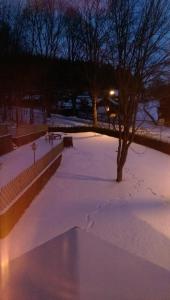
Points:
(139, 39)
(33, 21)
(44, 22)
(11, 43)
(17, 27)
(53, 28)
(72, 34)
(94, 37)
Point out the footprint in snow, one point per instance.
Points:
(153, 193)
(136, 188)
(88, 218)
(90, 223)
(99, 206)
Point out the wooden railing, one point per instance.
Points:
(10, 191)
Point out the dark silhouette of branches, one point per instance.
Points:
(139, 33)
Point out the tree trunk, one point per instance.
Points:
(121, 158)
(31, 115)
(94, 99)
(4, 113)
(74, 97)
(17, 117)
(44, 116)
(119, 173)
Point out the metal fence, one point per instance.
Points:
(11, 190)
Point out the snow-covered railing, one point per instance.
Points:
(10, 191)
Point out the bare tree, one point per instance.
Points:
(33, 24)
(139, 39)
(44, 21)
(72, 34)
(17, 26)
(53, 28)
(94, 37)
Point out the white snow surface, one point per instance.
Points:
(145, 126)
(133, 214)
(13, 163)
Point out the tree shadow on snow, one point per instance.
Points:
(72, 176)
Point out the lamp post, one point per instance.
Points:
(107, 108)
(111, 93)
(112, 110)
(34, 147)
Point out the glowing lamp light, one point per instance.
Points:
(113, 115)
(112, 92)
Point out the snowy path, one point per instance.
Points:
(63, 121)
(134, 215)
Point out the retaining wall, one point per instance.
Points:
(16, 196)
(13, 214)
(28, 138)
(5, 144)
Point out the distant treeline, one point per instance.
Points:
(59, 49)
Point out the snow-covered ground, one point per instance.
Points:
(145, 125)
(60, 120)
(133, 214)
(144, 122)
